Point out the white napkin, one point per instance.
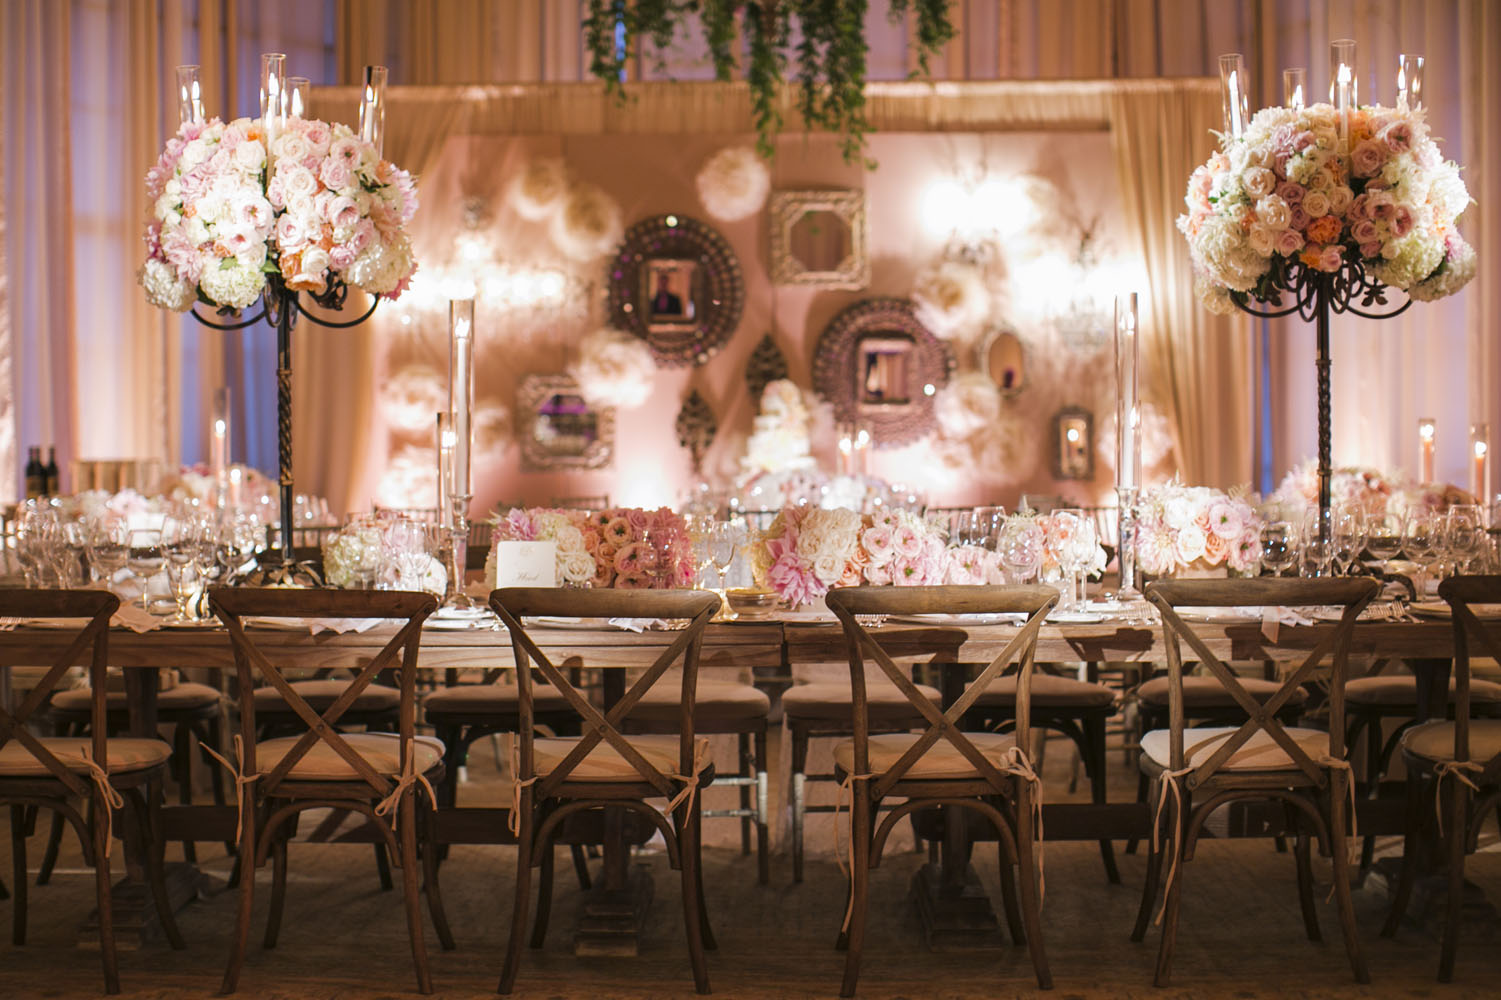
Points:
(133, 617)
(1272, 620)
(339, 626)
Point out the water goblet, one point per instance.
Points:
(1279, 546)
(145, 560)
(1020, 549)
(108, 540)
(1464, 535)
(1347, 532)
(1383, 535)
(1420, 544)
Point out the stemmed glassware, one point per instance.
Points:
(1019, 547)
(1464, 535)
(409, 546)
(701, 528)
(145, 560)
(1279, 546)
(107, 538)
(1073, 543)
(1347, 534)
(1420, 543)
(180, 540)
(1383, 536)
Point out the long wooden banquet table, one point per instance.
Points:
(772, 648)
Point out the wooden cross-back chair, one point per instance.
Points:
(376, 774)
(556, 778)
(1195, 771)
(984, 772)
(110, 774)
(1461, 757)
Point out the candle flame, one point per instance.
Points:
(1480, 449)
(219, 427)
(1425, 430)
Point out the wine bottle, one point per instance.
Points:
(50, 484)
(36, 473)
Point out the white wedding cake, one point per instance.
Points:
(779, 441)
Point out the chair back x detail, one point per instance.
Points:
(234, 604)
(1170, 595)
(849, 604)
(514, 604)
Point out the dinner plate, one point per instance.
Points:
(449, 613)
(1440, 609)
(461, 624)
(198, 623)
(992, 618)
(1075, 618)
(551, 621)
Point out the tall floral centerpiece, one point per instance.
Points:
(1332, 204)
(263, 209)
(1196, 530)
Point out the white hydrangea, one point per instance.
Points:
(231, 283)
(163, 289)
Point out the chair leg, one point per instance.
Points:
(102, 896)
(383, 867)
(581, 866)
(763, 809)
(544, 898)
(523, 894)
(430, 859)
(246, 868)
(49, 854)
(149, 819)
(710, 943)
(182, 763)
(18, 873)
(1408, 872)
(1150, 882)
(1340, 852)
(406, 834)
(1026, 877)
(1093, 756)
(687, 831)
(854, 934)
(278, 888)
(744, 770)
(1302, 850)
(799, 804)
(1373, 781)
(1457, 830)
(1165, 946)
(215, 731)
(1009, 902)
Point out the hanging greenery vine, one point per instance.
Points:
(828, 59)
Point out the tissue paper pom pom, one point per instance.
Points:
(492, 426)
(410, 479)
(614, 369)
(733, 183)
(537, 192)
(951, 298)
(967, 405)
(411, 397)
(1006, 450)
(588, 224)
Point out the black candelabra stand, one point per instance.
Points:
(280, 306)
(1316, 294)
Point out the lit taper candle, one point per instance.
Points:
(1233, 92)
(1342, 92)
(273, 93)
(1409, 82)
(189, 95)
(1295, 88)
(373, 108)
(1427, 433)
(460, 388)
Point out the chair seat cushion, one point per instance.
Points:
(714, 701)
(942, 760)
(321, 694)
(604, 762)
(496, 699)
(125, 754)
(1048, 691)
(830, 701)
(382, 751)
(1435, 740)
(1208, 693)
(180, 697)
(1401, 690)
(1260, 752)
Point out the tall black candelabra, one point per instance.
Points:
(1315, 295)
(280, 306)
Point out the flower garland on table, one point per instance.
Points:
(1284, 193)
(1181, 527)
(808, 550)
(1370, 489)
(618, 547)
(358, 555)
(332, 210)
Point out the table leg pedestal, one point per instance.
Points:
(136, 922)
(611, 919)
(954, 917)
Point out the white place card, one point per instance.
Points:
(526, 564)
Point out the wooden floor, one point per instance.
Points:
(1241, 933)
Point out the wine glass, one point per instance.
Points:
(1420, 543)
(108, 541)
(1073, 543)
(145, 560)
(986, 527)
(724, 546)
(701, 537)
(1383, 536)
(180, 540)
(1279, 546)
(1464, 534)
(1020, 549)
(1347, 532)
(1316, 545)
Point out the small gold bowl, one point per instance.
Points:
(748, 602)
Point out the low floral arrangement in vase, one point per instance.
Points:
(1370, 489)
(808, 550)
(1196, 529)
(626, 547)
(1286, 194)
(313, 208)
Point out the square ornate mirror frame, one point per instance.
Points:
(787, 207)
(530, 395)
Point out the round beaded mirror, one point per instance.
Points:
(676, 284)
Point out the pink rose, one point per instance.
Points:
(906, 542)
(1402, 221)
(1299, 218)
(639, 520)
(1370, 250)
(878, 576)
(1289, 242)
(336, 174)
(1290, 192)
(1364, 231)
(346, 150)
(1397, 136)
(341, 212)
(1360, 208)
(633, 581)
(1332, 258)
(1366, 159)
